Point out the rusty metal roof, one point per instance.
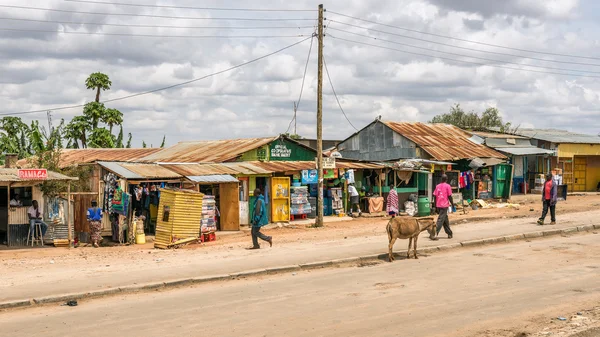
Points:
(257, 167)
(209, 151)
(443, 141)
(12, 175)
(70, 157)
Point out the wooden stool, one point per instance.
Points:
(37, 230)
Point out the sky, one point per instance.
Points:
(404, 60)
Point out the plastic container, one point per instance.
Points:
(424, 206)
(140, 239)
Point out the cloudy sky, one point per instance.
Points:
(43, 68)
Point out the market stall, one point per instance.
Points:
(18, 189)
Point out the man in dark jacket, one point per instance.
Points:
(549, 197)
(259, 219)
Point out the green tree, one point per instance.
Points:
(119, 142)
(95, 112)
(98, 81)
(144, 144)
(162, 145)
(111, 118)
(77, 130)
(101, 138)
(472, 120)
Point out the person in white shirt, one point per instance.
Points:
(354, 199)
(16, 201)
(35, 217)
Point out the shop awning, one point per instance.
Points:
(214, 179)
(525, 151)
(481, 162)
(139, 171)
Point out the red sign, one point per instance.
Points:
(33, 174)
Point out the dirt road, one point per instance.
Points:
(502, 290)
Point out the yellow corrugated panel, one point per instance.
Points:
(183, 221)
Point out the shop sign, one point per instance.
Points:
(329, 163)
(33, 174)
(310, 177)
(330, 173)
(281, 151)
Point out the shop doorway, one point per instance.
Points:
(4, 214)
(580, 166)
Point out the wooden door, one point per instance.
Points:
(82, 203)
(229, 206)
(579, 168)
(566, 164)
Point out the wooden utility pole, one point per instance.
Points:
(319, 222)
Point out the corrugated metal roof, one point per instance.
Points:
(496, 135)
(139, 171)
(69, 157)
(12, 175)
(443, 141)
(257, 167)
(209, 151)
(559, 136)
(524, 151)
(502, 142)
(214, 179)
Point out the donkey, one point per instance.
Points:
(408, 228)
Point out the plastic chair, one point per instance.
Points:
(37, 231)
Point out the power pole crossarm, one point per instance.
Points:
(319, 221)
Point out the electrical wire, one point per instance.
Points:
(463, 55)
(336, 96)
(302, 86)
(153, 35)
(154, 16)
(463, 61)
(187, 7)
(153, 26)
(464, 48)
(463, 40)
(163, 88)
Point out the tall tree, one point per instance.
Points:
(111, 118)
(98, 81)
(101, 138)
(77, 130)
(162, 145)
(144, 144)
(129, 141)
(119, 142)
(95, 112)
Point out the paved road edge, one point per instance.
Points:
(345, 262)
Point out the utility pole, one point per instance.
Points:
(295, 121)
(319, 222)
(49, 113)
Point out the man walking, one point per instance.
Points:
(354, 199)
(259, 219)
(549, 197)
(443, 200)
(392, 202)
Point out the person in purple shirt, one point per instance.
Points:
(443, 200)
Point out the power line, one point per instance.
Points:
(463, 40)
(463, 61)
(336, 96)
(187, 7)
(153, 35)
(154, 26)
(155, 16)
(297, 105)
(163, 88)
(463, 55)
(464, 48)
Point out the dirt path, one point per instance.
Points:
(508, 290)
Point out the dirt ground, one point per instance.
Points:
(517, 289)
(529, 207)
